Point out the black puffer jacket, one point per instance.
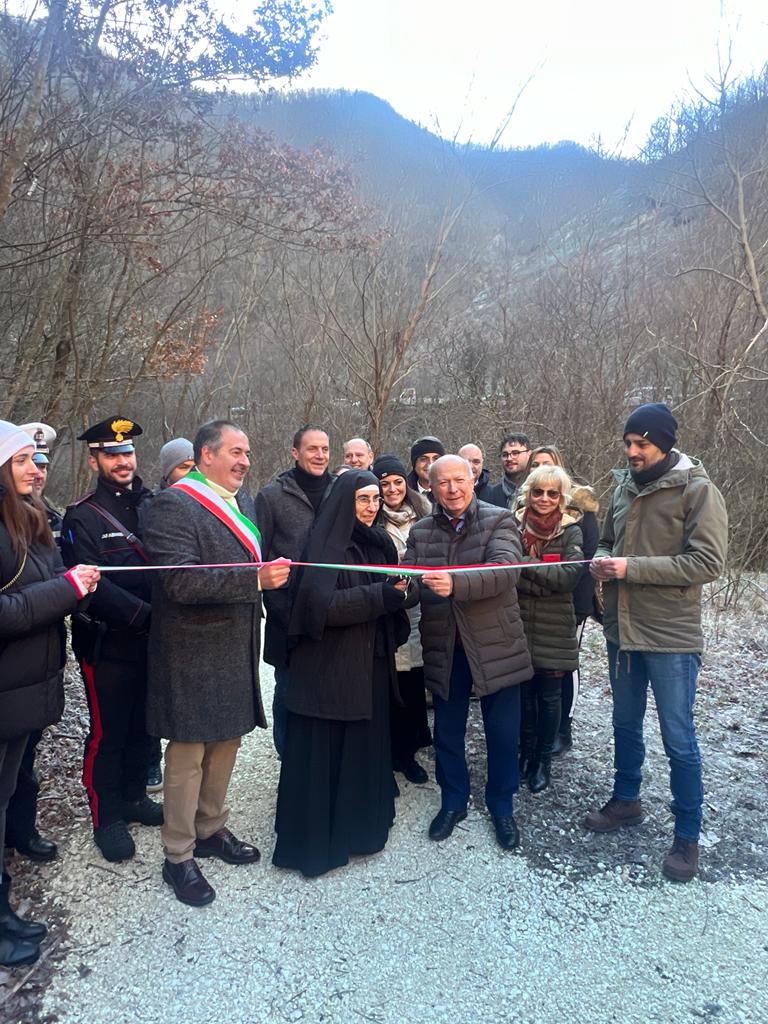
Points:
(483, 606)
(32, 637)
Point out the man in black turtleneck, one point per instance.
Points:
(110, 641)
(285, 511)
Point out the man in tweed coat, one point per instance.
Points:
(203, 693)
(473, 639)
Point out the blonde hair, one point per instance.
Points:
(545, 449)
(543, 475)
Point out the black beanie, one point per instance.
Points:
(424, 445)
(656, 422)
(388, 465)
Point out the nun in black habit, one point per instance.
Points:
(336, 793)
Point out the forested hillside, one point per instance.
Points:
(178, 254)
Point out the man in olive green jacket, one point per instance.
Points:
(665, 535)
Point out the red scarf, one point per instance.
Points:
(537, 530)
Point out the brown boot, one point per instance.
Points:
(615, 814)
(682, 862)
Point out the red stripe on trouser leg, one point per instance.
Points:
(92, 747)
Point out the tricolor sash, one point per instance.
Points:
(196, 486)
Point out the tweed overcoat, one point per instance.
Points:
(203, 682)
(483, 606)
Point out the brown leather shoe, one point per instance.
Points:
(682, 862)
(188, 883)
(615, 814)
(226, 847)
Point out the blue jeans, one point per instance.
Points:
(673, 681)
(501, 719)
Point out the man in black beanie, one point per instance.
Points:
(424, 452)
(665, 535)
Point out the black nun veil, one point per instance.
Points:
(329, 540)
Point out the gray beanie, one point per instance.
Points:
(173, 453)
(12, 440)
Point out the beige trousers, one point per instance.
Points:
(195, 785)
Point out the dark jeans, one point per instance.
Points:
(11, 753)
(501, 718)
(673, 680)
(21, 816)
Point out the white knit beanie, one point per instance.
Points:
(12, 440)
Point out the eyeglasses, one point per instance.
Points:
(515, 454)
(368, 499)
(538, 492)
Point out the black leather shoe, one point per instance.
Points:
(526, 766)
(507, 832)
(144, 811)
(444, 822)
(188, 883)
(36, 847)
(226, 847)
(114, 841)
(412, 770)
(154, 778)
(17, 952)
(11, 925)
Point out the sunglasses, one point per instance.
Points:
(539, 492)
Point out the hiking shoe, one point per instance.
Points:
(615, 814)
(682, 862)
(114, 841)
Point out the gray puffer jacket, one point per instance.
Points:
(483, 606)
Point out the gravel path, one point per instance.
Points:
(573, 927)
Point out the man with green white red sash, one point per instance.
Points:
(203, 692)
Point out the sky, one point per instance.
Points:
(594, 68)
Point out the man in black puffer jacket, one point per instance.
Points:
(473, 639)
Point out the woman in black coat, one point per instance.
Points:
(36, 593)
(336, 792)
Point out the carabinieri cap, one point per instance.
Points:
(114, 434)
(44, 436)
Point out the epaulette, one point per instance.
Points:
(85, 497)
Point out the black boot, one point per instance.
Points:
(11, 925)
(549, 721)
(563, 740)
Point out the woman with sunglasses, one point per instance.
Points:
(583, 499)
(36, 593)
(551, 534)
(336, 793)
(401, 507)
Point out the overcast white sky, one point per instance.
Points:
(597, 64)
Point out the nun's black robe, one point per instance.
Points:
(336, 792)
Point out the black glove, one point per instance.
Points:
(393, 598)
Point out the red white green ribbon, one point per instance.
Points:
(196, 486)
(384, 570)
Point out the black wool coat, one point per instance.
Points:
(203, 681)
(333, 677)
(32, 638)
(284, 516)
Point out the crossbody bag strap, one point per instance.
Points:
(131, 538)
(20, 570)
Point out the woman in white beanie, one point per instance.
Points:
(36, 593)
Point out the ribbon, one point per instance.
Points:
(384, 570)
